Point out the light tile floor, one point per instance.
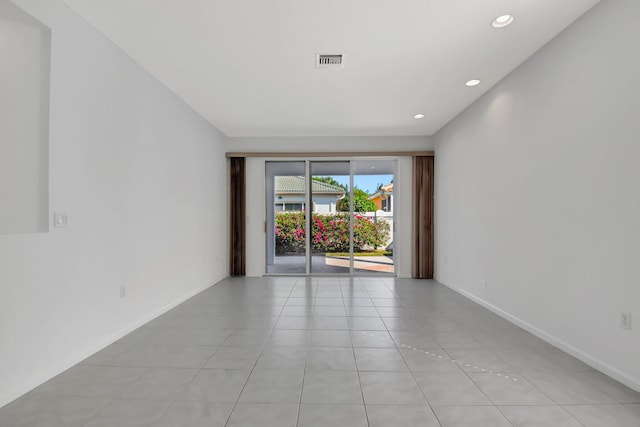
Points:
(286, 351)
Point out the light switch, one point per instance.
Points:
(59, 219)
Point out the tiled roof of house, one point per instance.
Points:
(382, 191)
(296, 184)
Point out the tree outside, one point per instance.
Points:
(361, 202)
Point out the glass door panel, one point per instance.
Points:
(330, 221)
(286, 217)
(373, 216)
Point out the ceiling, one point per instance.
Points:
(248, 66)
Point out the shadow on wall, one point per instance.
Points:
(24, 121)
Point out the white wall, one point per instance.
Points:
(139, 174)
(256, 216)
(330, 143)
(537, 192)
(402, 216)
(25, 47)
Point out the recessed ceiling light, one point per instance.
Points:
(419, 116)
(473, 82)
(502, 21)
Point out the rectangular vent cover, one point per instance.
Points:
(329, 61)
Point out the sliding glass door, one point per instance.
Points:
(347, 207)
(286, 217)
(373, 216)
(331, 221)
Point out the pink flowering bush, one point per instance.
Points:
(330, 233)
(290, 232)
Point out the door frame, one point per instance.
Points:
(269, 223)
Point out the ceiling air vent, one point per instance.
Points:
(329, 61)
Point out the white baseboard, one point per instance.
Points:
(616, 374)
(73, 360)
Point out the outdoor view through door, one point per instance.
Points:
(347, 205)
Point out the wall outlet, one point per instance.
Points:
(123, 291)
(484, 284)
(625, 321)
(59, 219)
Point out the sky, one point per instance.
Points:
(368, 183)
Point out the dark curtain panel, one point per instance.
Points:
(422, 265)
(237, 215)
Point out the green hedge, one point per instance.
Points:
(330, 233)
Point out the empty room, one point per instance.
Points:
(319, 213)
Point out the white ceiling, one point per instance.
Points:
(248, 66)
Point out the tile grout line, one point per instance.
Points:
(235, 404)
(355, 361)
(304, 374)
(408, 368)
